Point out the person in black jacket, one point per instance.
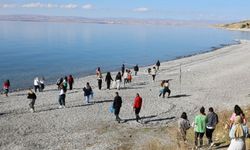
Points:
(87, 92)
(117, 104)
(32, 96)
(136, 69)
(108, 79)
(123, 69)
(158, 64)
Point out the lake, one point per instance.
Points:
(53, 50)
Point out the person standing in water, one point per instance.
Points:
(137, 106)
(117, 104)
(6, 87)
(99, 77)
(108, 80)
(32, 97)
(71, 82)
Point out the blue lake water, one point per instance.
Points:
(52, 50)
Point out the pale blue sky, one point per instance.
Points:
(165, 9)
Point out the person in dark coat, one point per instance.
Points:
(158, 64)
(136, 69)
(123, 69)
(117, 104)
(87, 92)
(108, 79)
(32, 97)
(71, 82)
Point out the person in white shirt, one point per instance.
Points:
(36, 84)
(62, 96)
(153, 73)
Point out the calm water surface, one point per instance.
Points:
(52, 50)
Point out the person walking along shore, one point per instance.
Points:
(71, 82)
(118, 80)
(62, 96)
(87, 92)
(99, 77)
(108, 80)
(32, 97)
(36, 84)
(6, 86)
(136, 69)
(117, 104)
(137, 106)
(158, 64)
(153, 73)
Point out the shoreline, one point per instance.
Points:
(211, 49)
(219, 79)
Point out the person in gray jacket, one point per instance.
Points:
(183, 125)
(212, 121)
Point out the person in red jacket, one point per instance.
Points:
(137, 106)
(71, 82)
(6, 86)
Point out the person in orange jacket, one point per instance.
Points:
(137, 106)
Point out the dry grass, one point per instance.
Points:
(221, 138)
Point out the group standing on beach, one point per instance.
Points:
(206, 124)
(39, 84)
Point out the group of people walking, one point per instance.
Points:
(205, 125)
(117, 104)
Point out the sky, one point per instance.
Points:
(149, 9)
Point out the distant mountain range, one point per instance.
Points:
(66, 19)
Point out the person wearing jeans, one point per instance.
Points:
(212, 121)
(62, 97)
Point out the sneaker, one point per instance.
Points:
(31, 110)
(60, 107)
(63, 106)
(212, 144)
